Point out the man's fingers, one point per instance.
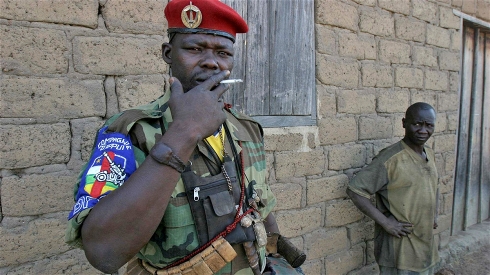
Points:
(215, 80)
(221, 89)
(404, 224)
(175, 86)
(406, 231)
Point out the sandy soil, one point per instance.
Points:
(475, 263)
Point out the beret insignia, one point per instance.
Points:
(191, 16)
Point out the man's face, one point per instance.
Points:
(196, 57)
(419, 126)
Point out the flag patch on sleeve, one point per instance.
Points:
(110, 165)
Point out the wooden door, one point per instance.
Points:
(472, 176)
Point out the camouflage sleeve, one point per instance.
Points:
(269, 201)
(73, 236)
(255, 166)
(255, 170)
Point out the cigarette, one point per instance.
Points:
(230, 81)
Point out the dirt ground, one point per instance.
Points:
(475, 263)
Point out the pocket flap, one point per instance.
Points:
(223, 203)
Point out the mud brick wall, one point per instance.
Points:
(66, 66)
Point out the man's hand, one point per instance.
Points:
(200, 110)
(390, 224)
(396, 228)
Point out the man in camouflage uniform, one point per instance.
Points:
(131, 199)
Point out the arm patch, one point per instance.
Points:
(110, 165)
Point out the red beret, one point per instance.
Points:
(204, 16)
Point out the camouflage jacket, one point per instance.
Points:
(142, 128)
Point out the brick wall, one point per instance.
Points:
(66, 66)
(374, 59)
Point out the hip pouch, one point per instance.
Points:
(214, 202)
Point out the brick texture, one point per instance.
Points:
(456, 40)
(424, 96)
(447, 19)
(341, 212)
(312, 267)
(357, 46)
(325, 189)
(469, 6)
(448, 102)
(374, 75)
(140, 17)
(371, 269)
(441, 123)
(394, 52)
(452, 121)
(135, 91)
(375, 127)
(370, 3)
(346, 156)
(410, 29)
(436, 80)
(345, 261)
(337, 14)
(71, 262)
(425, 56)
(297, 222)
(370, 256)
(377, 22)
(356, 101)
(21, 46)
(449, 60)
(425, 10)
(40, 235)
(296, 164)
(34, 145)
(337, 71)
(118, 56)
(336, 130)
(75, 12)
(446, 184)
(444, 143)
(483, 10)
(44, 98)
(360, 232)
(327, 102)
(283, 142)
(392, 101)
(288, 195)
(325, 40)
(454, 80)
(409, 77)
(52, 193)
(84, 131)
(438, 36)
(326, 242)
(398, 6)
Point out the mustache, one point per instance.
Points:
(202, 76)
